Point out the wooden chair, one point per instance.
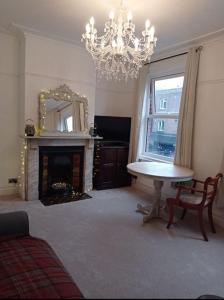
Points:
(196, 199)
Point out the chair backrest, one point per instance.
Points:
(210, 187)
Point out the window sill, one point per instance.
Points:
(152, 158)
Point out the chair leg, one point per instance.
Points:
(200, 215)
(171, 214)
(183, 213)
(210, 218)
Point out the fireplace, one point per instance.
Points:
(32, 178)
(60, 171)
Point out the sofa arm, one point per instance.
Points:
(14, 223)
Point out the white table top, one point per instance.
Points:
(161, 171)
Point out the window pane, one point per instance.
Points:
(69, 123)
(161, 136)
(168, 94)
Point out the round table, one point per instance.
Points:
(159, 172)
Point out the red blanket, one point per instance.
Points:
(29, 269)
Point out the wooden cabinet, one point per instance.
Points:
(110, 165)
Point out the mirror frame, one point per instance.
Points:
(62, 93)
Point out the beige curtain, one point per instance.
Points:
(220, 195)
(183, 155)
(137, 120)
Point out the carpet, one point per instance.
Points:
(52, 200)
(111, 254)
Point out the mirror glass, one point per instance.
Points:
(63, 111)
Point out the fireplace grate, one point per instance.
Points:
(61, 174)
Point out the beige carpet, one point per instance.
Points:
(108, 252)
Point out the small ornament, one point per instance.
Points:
(29, 128)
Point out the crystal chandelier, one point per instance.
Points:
(119, 54)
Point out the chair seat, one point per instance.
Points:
(192, 199)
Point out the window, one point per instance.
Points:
(161, 124)
(163, 104)
(162, 117)
(69, 124)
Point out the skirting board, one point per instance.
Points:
(5, 190)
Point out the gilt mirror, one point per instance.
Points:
(63, 111)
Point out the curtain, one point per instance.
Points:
(137, 120)
(183, 155)
(220, 195)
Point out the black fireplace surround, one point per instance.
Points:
(60, 171)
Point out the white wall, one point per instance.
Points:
(9, 150)
(50, 63)
(115, 98)
(209, 118)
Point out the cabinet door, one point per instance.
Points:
(122, 176)
(108, 167)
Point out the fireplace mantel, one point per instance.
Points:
(61, 137)
(31, 161)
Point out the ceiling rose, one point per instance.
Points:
(119, 54)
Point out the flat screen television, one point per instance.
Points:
(113, 128)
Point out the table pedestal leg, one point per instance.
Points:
(152, 211)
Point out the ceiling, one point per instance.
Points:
(176, 21)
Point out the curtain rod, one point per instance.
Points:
(183, 53)
(151, 62)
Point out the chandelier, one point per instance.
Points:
(119, 54)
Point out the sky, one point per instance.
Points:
(169, 83)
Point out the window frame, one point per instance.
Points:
(150, 97)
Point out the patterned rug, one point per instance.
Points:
(52, 200)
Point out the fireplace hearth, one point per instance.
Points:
(60, 172)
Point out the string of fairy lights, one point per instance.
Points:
(21, 177)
